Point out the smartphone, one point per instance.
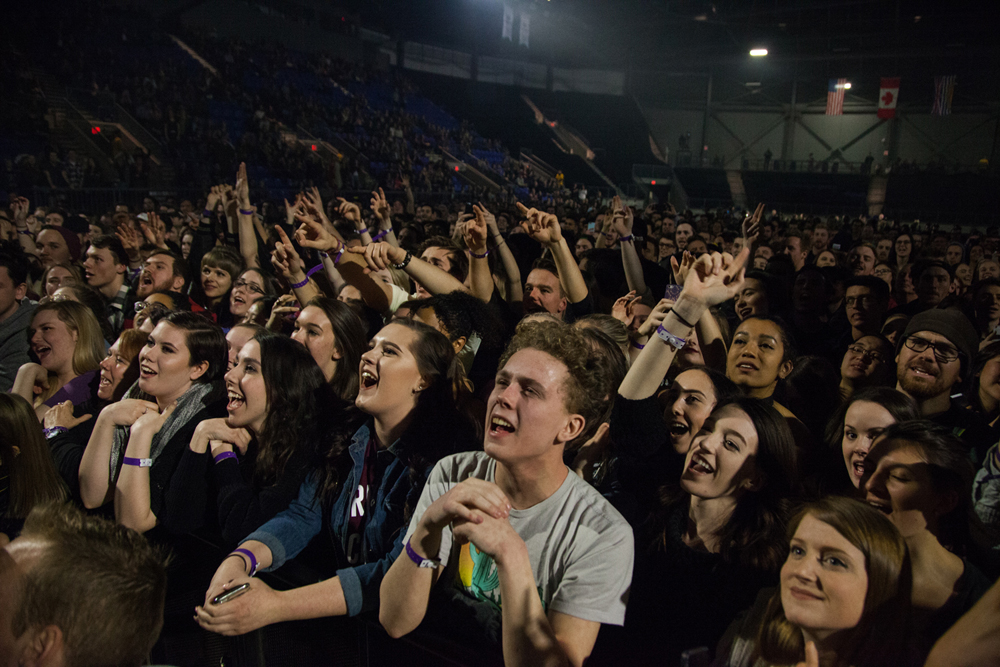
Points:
(672, 292)
(231, 593)
(592, 227)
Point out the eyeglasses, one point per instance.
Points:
(249, 286)
(883, 272)
(865, 353)
(943, 352)
(864, 300)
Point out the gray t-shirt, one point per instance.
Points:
(580, 547)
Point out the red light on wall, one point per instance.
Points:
(314, 146)
(652, 182)
(456, 167)
(96, 129)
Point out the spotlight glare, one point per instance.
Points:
(757, 53)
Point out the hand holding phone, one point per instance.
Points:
(231, 593)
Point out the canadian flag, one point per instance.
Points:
(888, 94)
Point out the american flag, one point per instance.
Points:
(835, 97)
(944, 90)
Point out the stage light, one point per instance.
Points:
(314, 146)
(456, 167)
(757, 53)
(847, 86)
(652, 182)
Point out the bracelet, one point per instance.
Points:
(420, 560)
(223, 456)
(362, 231)
(318, 267)
(24, 231)
(301, 284)
(483, 256)
(381, 235)
(670, 338)
(406, 260)
(54, 431)
(139, 463)
(626, 239)
(250, 212)
(340, 253)
(248, 554)
(637, 346)
(206, 213)
(682, 320)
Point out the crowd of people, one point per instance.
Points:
(499, 430)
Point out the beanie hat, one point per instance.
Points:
(72, 241)
(951, 324)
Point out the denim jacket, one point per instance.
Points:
(289, 532)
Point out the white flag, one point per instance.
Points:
(525, 28)
(508, 23)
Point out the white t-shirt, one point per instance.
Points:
(580, 547)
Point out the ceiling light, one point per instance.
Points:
(757, 53)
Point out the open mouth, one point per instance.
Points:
(105, 380)
(146, 371)
(146, 279)
(368, 380)
(881, 506)
(746, 367)
(88, 275)
(700, 464)
(744, 312)
(42, 351)
(499, 426)
(238, 299)
(679, 428)
(858, 467)
(236, 401)
(923, 371)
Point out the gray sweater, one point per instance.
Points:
(14, 343)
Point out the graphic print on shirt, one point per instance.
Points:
(478, 576)
(362, 503)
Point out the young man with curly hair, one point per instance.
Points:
(529, 547)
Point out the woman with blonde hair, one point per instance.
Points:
(27, 476)
(66, 339)
(844, 595)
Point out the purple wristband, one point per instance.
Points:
(301, 284)
(206, 213)
(418, 559)
(139, 463)
(318, 267)
(637, 345)
(250, 212)
(626, 239)
(248, 554)
(225, 455)
(381, 235)
(483, 256)
(362, 231)
(340, 253)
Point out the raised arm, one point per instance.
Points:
(132, 501)
(352, 266)
(545, 229)
(248, 235)
(713, 347)
(622, 222)
(380, 206)
(381, 256)
(352, 213)
(25, 236)
(480, 277)
(712, 280)
(515, 288)
(95, 473)
(288, 264)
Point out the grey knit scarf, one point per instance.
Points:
(191, 402)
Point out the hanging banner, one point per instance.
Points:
(508, 23)
(888, 94)
(525, 28)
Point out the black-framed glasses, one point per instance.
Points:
(865, 353)
(943, 352)
(250, 286)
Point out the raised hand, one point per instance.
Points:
(543, 227)
(623, 308)
(218, 430)
(715, 277)
(130, 239)
(126, 411)
(312, 200)
(288, 260)
(20, 207)
(350, 212)
(61, 416)
(242, 191)
(751, 225)
(379, 256)
(154, 230)
(491, 220)
(285, 305)
(380, 206)
(681, 269)
(474, 231)
(312, 234)
(655, 318)
(292, 209)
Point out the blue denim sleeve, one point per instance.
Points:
(361, 584)
(288, 533)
